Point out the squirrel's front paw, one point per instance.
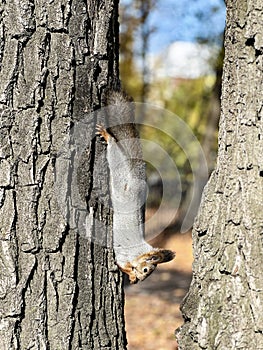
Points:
(129, 270)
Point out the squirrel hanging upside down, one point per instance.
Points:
(134, 255)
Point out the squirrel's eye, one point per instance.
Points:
(145, 270)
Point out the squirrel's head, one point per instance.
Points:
(145, 264)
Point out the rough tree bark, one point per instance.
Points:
(223, 309)
(58, 289)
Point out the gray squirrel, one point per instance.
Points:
(133, 254)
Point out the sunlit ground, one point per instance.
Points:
(152, 306)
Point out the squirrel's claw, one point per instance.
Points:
(102, 132)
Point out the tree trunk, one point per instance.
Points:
(223, 309)
(59, 287)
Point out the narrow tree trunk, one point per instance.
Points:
(223, 309)
(59, 289)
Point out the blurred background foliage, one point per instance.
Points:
(147, 58)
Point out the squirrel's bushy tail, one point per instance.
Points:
(120, 114)
(120, 110)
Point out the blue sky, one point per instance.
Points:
(185, 20)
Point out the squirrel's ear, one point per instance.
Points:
(160, 256)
